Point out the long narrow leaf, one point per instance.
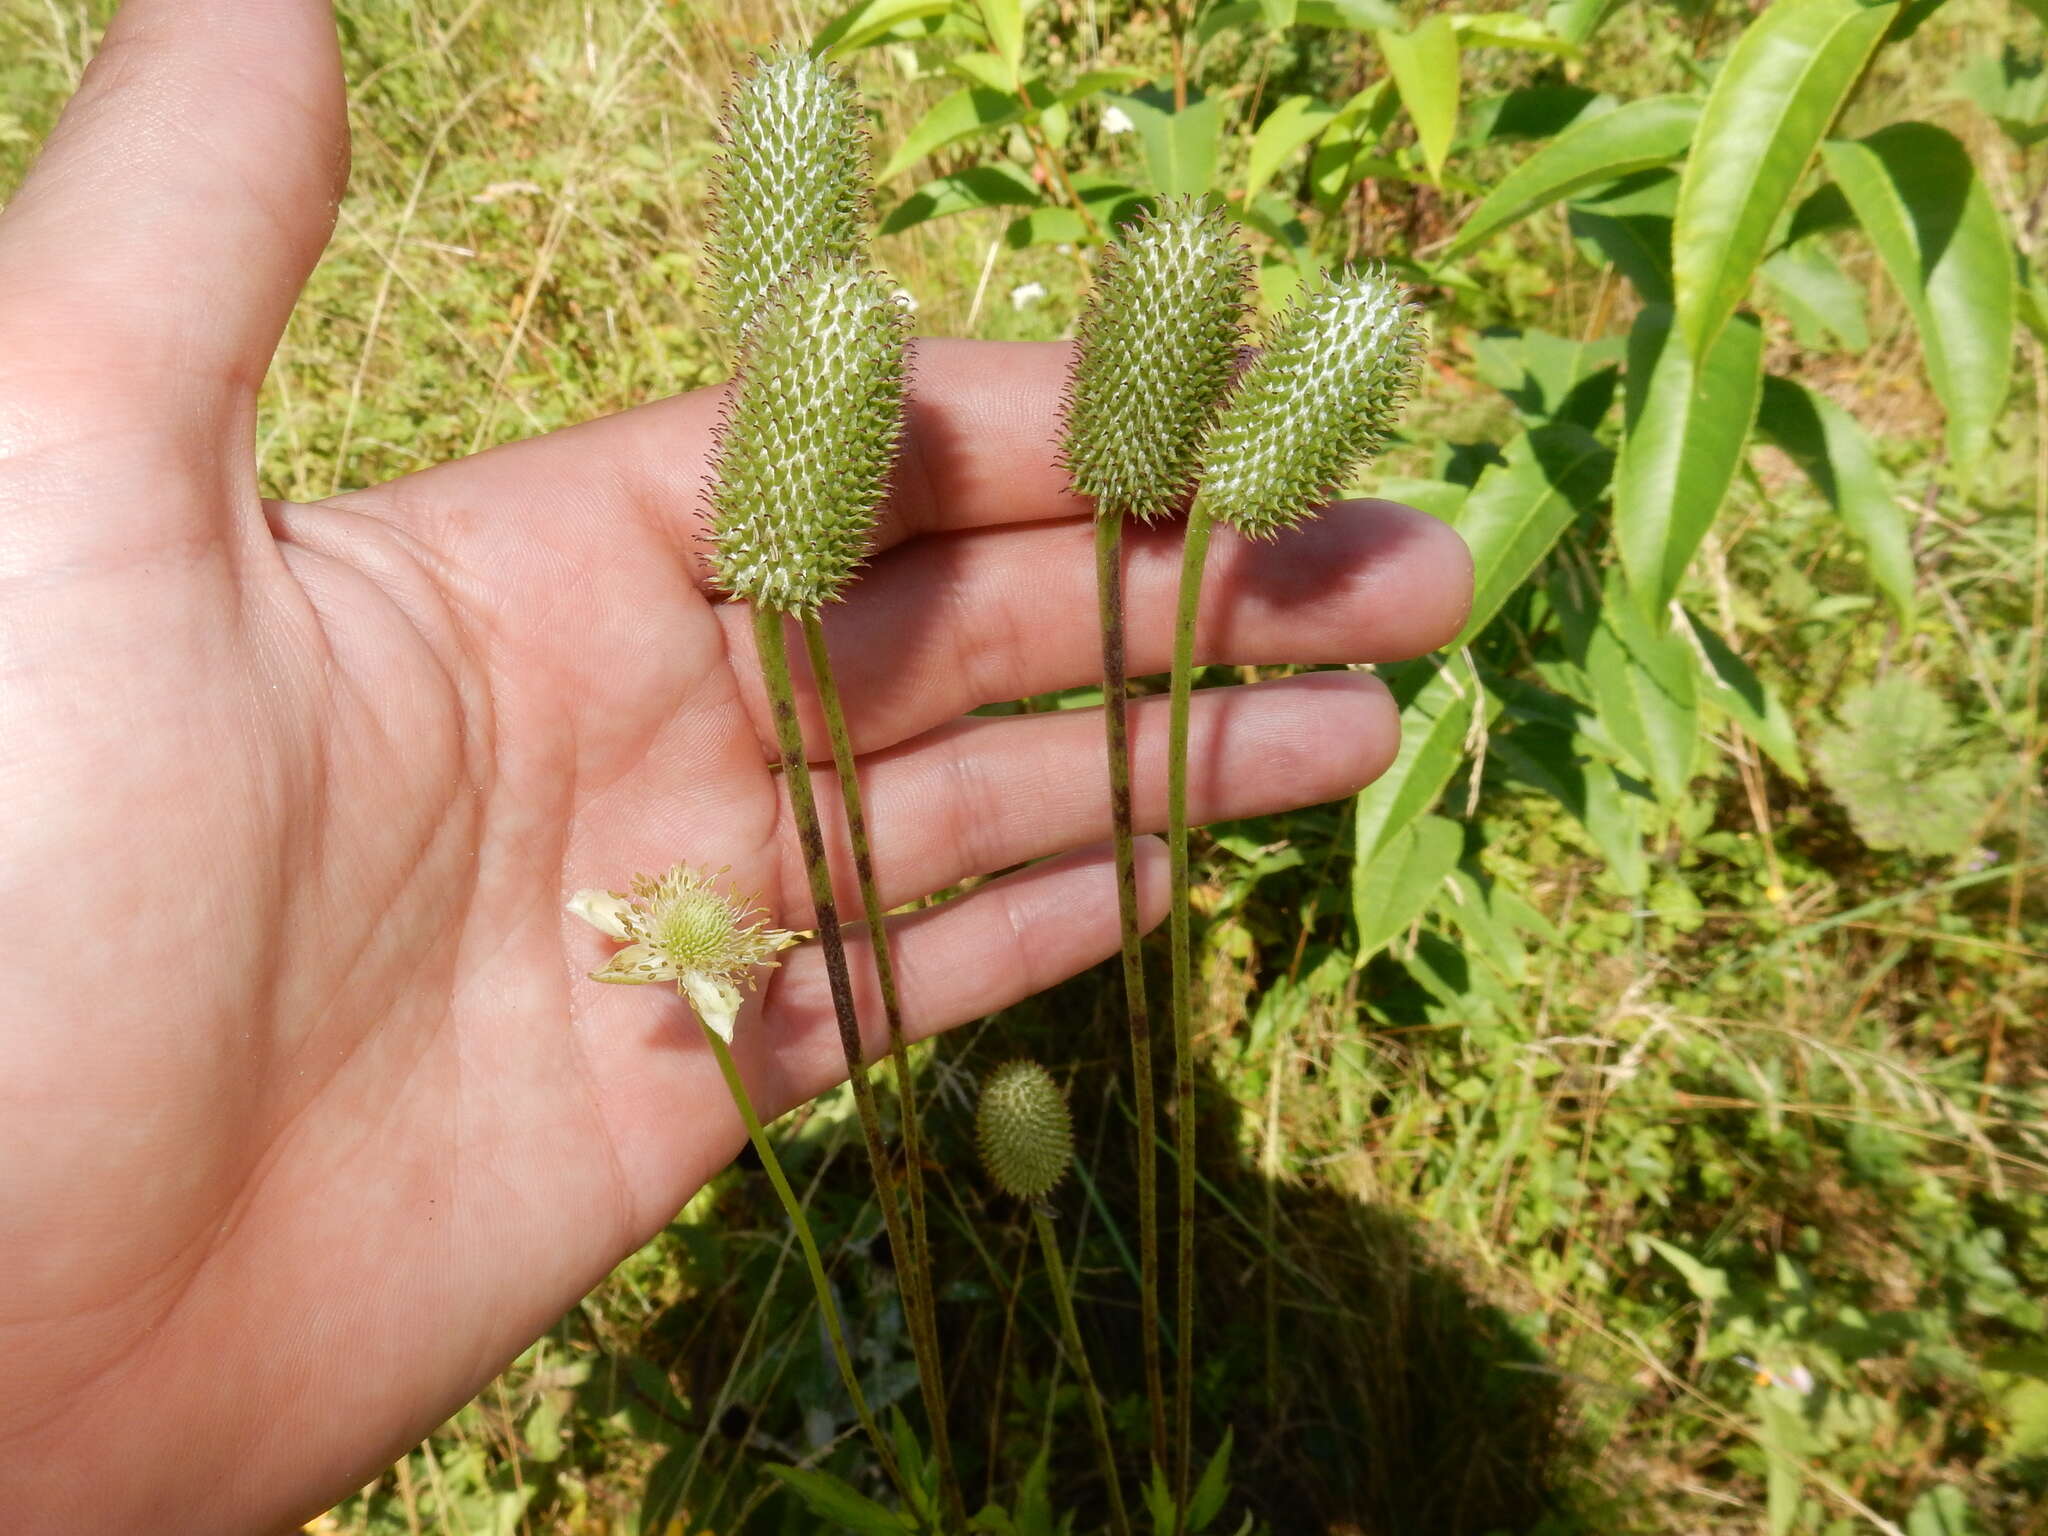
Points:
(1825, 441)
(1687, 424)
(1637, 137)
(1923, 206)
(1764, 120)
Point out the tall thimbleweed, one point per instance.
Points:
(1026, 1136)
(802, 466)
(803, 456)
(1157, 348)
(791, 183)
(1310, 412)
(681, 928)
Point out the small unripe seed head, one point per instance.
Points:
(1024, 1129)
(1158, 346)
(1316, 406)
(791, 183)
(803, 457)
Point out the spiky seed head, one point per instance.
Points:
(1024, 1129)
(1316, 406)
(1159, 344)
(803, 457)
(791, 183)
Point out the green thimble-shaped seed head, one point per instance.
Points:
(1158, 347)
(803, 456)
(1025, 1132)
(791, 184)
(1316, 406)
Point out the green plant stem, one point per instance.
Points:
(919, 1295)
(834, 1329)
(1109, 588)
(1194, 555)
(1120, 1520)
(774, 651)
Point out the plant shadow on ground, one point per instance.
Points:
(1369, 1388)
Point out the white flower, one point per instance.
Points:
(1116, 120)
(1024, 295)
(679, 928)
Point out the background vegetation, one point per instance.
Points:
(1645, 1134)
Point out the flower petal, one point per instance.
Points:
(606, 913)
(716, 1000)
(636, 965)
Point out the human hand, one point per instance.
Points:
(312, 1120)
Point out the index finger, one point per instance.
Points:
(980, 449)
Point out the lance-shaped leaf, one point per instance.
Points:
(791, 184)
(1920, 200)
(1687, 424)
(1595, 149)
(1158, 347)
(1782, 85)
(803, 456)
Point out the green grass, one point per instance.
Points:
(1491, 1221)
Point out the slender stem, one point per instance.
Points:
(1194, 554)
(834, 1330)
(1109, 588)
(916, 1265)
(1120, 1520)
(796, 769)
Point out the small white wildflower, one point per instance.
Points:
(1064, 250)
(1024, 295)
(1116, 120)
(680, 928)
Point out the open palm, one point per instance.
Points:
(309, 1119)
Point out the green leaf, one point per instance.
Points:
(1279, 13)
(1708, 1285)
(1004, 21)
(1424, 64)
(1825, 441)
(1746, 699)
(1506, 29)
(1943, 1510)
(867, 21)
(1159, 1500)
(661, 1500)
(979, 109)
(1401, 882)
(832, 1501)
(1206, 1502)
(1817, 296)
(1769, 107)
(1687, 425)
(1638, 244)
(1923, 206)
(1109, 203)
(1644, 686)
(1637, 137)
(1519, 507)
(970, 110)
(1286, 128)
(979, 186)
(1563, 764)
(1180, 147)
(1438, 702)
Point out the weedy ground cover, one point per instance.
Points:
(1627, 1116)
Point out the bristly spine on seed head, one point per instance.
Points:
(791, 184)
(1157, 349)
